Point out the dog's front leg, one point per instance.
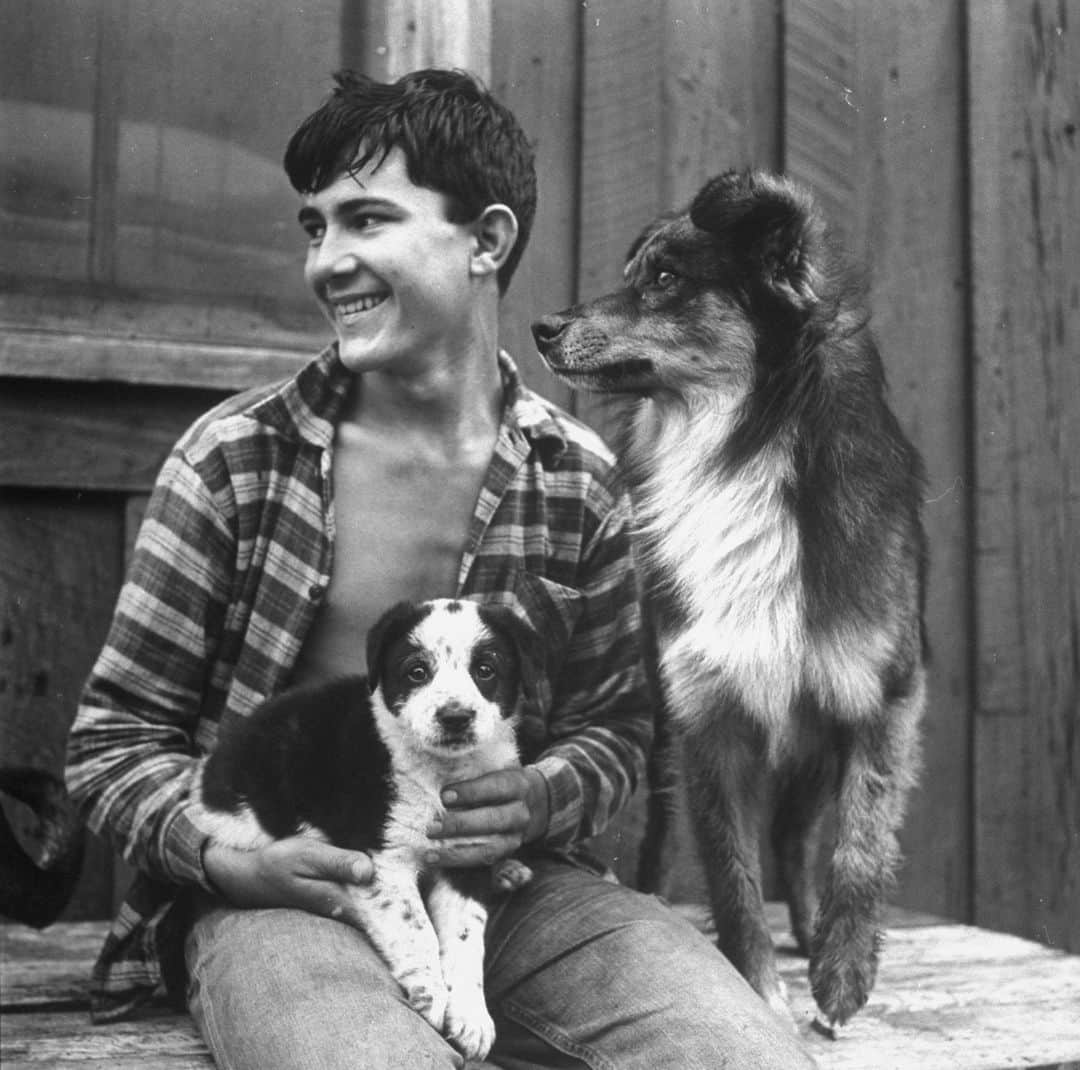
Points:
(395, 920)
(459, 913)
(726, 774)
(878, 767)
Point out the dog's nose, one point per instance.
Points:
(546, 329)
(454, 717)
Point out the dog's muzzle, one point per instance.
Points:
(456, 722)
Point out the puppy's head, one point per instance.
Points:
(702, 287)
(452, 674)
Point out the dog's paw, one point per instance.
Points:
(468, 1025)
(510, 874)
(427, 995)
(843, 969)
(776, 998)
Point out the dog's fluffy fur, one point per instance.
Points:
(360, 762)
(778, 504)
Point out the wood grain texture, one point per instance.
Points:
(621, 138)
(49, 354)
(721, 92)
(949, 997)
(90, 436)
(874, 119)
(1024, 70)
(405, 35)
(536, 72)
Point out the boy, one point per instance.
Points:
(406, 461)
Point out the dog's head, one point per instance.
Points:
(452, 674)
(747, 257)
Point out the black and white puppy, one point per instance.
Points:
(361, 763)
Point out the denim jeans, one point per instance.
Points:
(580, 972)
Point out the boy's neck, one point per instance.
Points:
(449, 407)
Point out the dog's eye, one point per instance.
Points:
(417, 674)
(665, 278)
(485, 670)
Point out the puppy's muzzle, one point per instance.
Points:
(456, 722)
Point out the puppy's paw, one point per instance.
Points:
(843, 969)
(427, 995)
(510, 874)
(468, 1025)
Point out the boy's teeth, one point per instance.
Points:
(362, 304)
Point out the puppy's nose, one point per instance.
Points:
(455, 717)
(546, 329)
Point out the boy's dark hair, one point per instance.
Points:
(457, 139)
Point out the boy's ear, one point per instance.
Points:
(495, 233)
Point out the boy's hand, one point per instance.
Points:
(490, 817)
(297, 872)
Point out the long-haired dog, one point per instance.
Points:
(360, 762)
(778, 504)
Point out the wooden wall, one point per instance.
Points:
(942, 137)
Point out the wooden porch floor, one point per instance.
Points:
(949, 997)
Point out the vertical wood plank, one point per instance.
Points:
(623, 44)
(536, 72)
(1024, 70)
(405, 35)
(874, 120)
(721, 92)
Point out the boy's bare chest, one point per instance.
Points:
(401, 528)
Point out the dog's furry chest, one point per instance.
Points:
(723, 553)
(724, 556)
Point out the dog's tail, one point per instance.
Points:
(661, 777)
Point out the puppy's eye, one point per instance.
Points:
(417, 674)
(485, 670)
(666, 278)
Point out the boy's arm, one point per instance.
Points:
(131, 755)
(601, 724)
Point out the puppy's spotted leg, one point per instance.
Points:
(395, 920)
(510, 874)
(877, 774)
(460, 915)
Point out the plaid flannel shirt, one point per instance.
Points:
(230, 564)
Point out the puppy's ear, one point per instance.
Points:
(772, 227)
(397, 621)
(527, 646)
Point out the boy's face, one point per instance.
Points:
(389, 270)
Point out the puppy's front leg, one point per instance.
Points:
(457, 904)
(397, 923)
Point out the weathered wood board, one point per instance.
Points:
(948, 997)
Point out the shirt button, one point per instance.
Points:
(316, 592)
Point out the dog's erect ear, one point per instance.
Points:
(772, 226)
(527, 645)
(398, 620)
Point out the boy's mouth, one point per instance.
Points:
(353, 307)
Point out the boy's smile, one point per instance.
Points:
(388, 268)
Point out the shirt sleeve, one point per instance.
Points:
(601, 724)
(131, 753)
